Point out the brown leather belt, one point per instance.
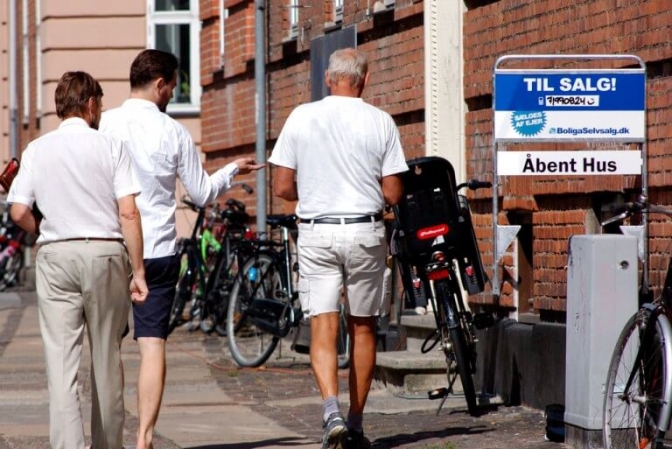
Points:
(334, 220)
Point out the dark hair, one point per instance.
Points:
(73, 92)
(151, 65)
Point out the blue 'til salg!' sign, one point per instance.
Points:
(539, 105)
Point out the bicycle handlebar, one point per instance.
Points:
(234, 203)
(192, 206)
(244, 186)
(633, 207)
(475, 184)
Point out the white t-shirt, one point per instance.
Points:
(162, 150)
(75, 174)
(341, 148)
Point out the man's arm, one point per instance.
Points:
(131, 228)
(23, 216)
(284, 185)
(201, 187)
(393, 188)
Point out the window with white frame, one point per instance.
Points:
(174, 26)
(338, 11)
(293, 18)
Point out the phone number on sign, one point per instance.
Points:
(572, 100)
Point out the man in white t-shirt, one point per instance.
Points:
(84, 185)
(341, 157)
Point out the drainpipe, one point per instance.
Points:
(13, 76)
(444, 99)
(260, 110)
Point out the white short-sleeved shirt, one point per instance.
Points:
(340, 147)
(75, 174)
(161, 151)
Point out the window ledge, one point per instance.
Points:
(332, 26)
(183, 110)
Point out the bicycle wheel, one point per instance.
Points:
(631, 414)
(9, 271)
(460, 351)
(343, 343)
(226, 277)
(259, 280)
(185, 289)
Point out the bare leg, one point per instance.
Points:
(323, 354)
(362, 360)
(151, 380)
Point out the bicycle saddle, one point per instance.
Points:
(288, 221)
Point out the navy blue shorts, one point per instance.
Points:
(151, 318)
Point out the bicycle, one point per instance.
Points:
(208, 263)
(237, 243)
(13, 241)
(437, 248)
(263, 305)
(638, 391)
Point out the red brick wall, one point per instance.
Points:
(393, 41)
(561, 207)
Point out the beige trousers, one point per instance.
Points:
(82, 282)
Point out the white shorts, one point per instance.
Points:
(333, 257)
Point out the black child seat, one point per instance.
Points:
(432, 216)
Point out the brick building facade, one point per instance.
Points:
(393, 39)
(394, 35)
(551, 209)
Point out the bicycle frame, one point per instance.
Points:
(281, 258)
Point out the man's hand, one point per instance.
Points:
(247, 165)
(139, 290)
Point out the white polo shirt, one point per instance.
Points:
(75, 174)
(162, 150)
(341, 148)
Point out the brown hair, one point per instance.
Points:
(73, 92)
(150, 65)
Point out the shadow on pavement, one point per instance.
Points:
(402, 439)
(275, 442)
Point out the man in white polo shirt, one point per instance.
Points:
(84, 185)
(162, 151)
(340, 158)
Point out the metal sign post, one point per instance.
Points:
(561, 105)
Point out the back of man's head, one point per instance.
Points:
(73, 92)
(350, 64)
(151, 65)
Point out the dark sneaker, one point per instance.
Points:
(334, 428)
(356, 440)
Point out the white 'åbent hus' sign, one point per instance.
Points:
(552, 163)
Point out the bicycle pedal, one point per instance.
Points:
(301, 349)
(483, 320)
(438, 393)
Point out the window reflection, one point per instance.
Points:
(172, 5)
(175, 39)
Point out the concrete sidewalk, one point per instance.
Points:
(195, 411)
(210, 403)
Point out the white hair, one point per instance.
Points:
(348, 63)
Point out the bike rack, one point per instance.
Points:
(543, 105)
